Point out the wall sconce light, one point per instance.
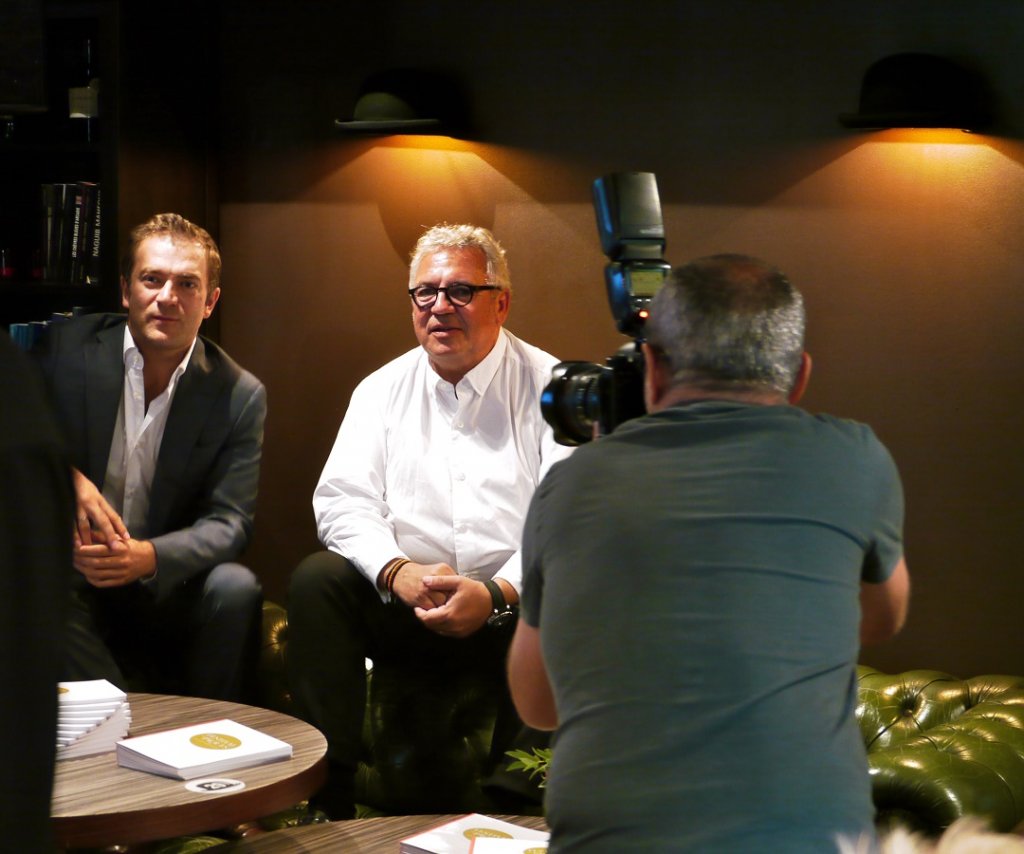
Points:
(404, 101)
(918, 90)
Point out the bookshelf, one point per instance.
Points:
(149, 149)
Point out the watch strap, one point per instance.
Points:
(498, 601)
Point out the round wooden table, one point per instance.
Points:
(98, 803)
(359, 836)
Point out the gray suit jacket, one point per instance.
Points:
(203, 496)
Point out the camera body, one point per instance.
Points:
(584, 396)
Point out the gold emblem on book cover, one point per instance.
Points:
(215, 741)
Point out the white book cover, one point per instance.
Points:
(89, 691)
(494, 845)
(201, 749)
(457, 837)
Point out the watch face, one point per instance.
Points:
(501, 618)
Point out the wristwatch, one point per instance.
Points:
(501, 612)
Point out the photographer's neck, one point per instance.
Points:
(682, 395)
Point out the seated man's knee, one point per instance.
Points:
(233, 586)
(321, 574)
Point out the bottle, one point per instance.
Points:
(6, 263)
(83, 96)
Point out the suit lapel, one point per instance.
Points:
(104, 372)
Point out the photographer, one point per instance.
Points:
(696, 588)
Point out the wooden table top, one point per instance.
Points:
(98, 803)
(361, 836)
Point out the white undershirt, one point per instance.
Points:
(136, 444)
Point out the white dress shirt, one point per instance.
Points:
(138, 432)
(436, 472)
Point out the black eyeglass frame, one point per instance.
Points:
(473, 290)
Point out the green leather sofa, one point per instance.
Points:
(938, 747)
(427, 747)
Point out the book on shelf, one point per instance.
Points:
(25, 335)
(82, 224)
(201, 749)
(52, 220)
(92, 256)
(459, 836)
(71, 232)
(66, 198)
(92, 716)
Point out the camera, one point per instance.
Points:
(581, 395)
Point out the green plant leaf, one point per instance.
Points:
(535, 763)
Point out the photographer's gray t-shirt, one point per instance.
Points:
(695, 577)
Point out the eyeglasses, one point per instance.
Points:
(459, 294)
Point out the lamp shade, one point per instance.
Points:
(918, 90)
(407, 101)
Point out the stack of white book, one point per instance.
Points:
(92, 716)
(476, 833)
(201, 749)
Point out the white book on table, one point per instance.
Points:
(494, 845)
(89, 692)
(201, 749)
(458, 836)
(100, 737)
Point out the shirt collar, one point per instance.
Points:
(130, 353)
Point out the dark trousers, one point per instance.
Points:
(202, 640)
(336, 620)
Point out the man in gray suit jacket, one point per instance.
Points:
(165, 433)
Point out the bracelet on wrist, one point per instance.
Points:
(390, 573)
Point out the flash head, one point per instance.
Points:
(628, 212)
(584, 399)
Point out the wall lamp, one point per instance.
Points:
(408, 101)
(919, 90)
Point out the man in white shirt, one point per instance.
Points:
(165, 433)
(422, 499)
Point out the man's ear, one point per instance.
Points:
(504, 303)
(657, 380)
(124, 292)
(211, 301)
(803, 376)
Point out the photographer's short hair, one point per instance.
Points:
(447, 236)
(729, 322)
(180, 230)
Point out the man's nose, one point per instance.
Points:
(167, 292)
(447, 308)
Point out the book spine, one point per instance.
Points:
(92, 260)
(66, 198)
(49, 231)
(85, 206)
(76, 273)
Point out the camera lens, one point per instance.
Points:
(571, 401)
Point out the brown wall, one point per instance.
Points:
(909, 252)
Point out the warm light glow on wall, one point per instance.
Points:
(951, 136)
(934, 145)
(424, 142)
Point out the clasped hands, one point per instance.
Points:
(444, 601)
(104, 551)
